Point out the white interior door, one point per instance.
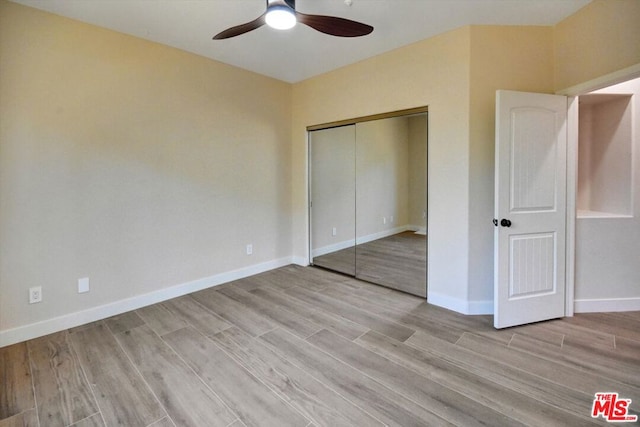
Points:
(530, 207)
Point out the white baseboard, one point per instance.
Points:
(606, 305)
(364, 239)
(301, 261)
(71, 320)
(460, 305)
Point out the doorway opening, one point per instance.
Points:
(607, 193)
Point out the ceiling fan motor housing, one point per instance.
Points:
(286, 3)
(282, 15)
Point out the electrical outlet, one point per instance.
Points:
(83, 285)
(334, 231)
(384, 219)
(249, 249)
(35, 294)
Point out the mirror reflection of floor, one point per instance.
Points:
(398, 262)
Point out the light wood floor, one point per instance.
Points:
(398, 261)
(302, 346)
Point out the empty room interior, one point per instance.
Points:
(341, 223)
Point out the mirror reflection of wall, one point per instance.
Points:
(385, 161)
(391, 189)
(332, 184)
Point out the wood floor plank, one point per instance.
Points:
(540, 332)
(576, 378)
(381, 402)
(579, 336)
(189, 310)
(318, 278)
(122, 395)
(635, 315)
(384, 296)
(355, 314)
(477, 324)
(398, 316)
(160, 320)
(501, 371)
(601, 362)
(608, 323)
(434, 320)
(443, 401)
(250, 399)
(123, 322)
(61, 389)
(337, 324)
(24, 419)
(628, 348)
(85, 326)
(16, 389)
(165, 422)
(233, 312)
(267, 280)
(486, 392)
(277, 314)
(310, 278)
(313, 399)
(92, 421)
(187, 400)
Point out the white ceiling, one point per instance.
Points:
(301, 52)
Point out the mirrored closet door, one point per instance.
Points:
(368, 193)
(333, 207)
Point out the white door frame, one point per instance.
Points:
(572, 93)
(572, 190)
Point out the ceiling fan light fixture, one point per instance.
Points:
(280, 17)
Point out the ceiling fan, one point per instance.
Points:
(282, 15)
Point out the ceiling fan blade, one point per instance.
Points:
(241, 29)
(335, 26)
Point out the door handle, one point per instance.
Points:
(505, 222)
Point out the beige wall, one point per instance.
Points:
(131, 163)
(601, 38)
(382, 176)
(418, 142)
(433, 72)
(333, 188)
(504, 57)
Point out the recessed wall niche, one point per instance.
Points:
(605, 167)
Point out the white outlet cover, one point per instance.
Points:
(249, 249)
(35, 294)
(83, 285)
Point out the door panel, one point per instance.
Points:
(533, 160)
(537, 250)
(531, 147)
